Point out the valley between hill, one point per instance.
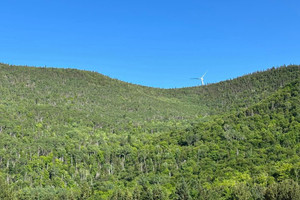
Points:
(73, 134)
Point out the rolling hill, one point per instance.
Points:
(72, 134)
(96, 98)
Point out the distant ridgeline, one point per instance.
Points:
(73, 134)
(76, 96)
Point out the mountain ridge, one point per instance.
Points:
(192, 101)
(70, 134)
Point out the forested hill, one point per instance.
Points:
(75, 96)
(71, 134)
(242, 91)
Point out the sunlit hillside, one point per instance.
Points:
(73, 134)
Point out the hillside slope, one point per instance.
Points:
(63, 135)
(242, 91)
(74, 96)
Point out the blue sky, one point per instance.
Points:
(159, 43)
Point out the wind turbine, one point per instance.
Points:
(201, 78)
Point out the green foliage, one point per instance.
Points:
(288, 189)
(6, 192)
(182, 191)
(69, 134)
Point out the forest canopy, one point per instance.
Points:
(71, 134)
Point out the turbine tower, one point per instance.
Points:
(202, 82)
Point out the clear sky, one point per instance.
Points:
(159, 43)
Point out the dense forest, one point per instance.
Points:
(71, 134)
